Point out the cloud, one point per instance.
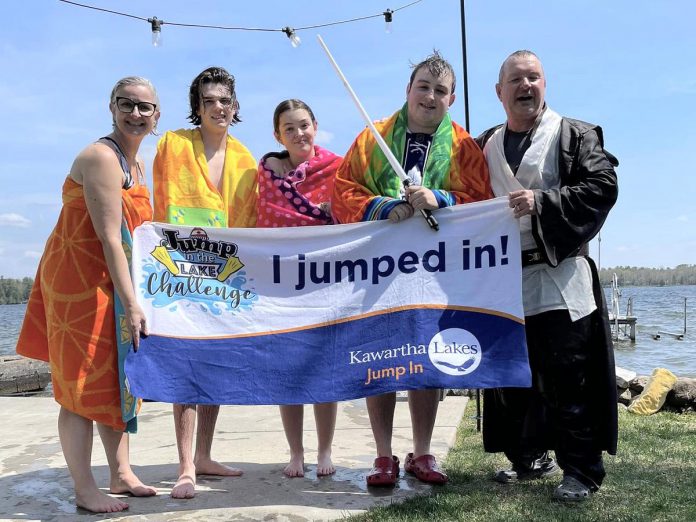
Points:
(323, 137)
(14, 220)
(33, 254)
(683, 218)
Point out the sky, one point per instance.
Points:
(627, 65)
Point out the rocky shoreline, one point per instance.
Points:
(19, 375)
(680, 399)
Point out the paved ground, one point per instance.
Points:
(35, 485)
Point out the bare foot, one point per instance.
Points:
(129, 483)
(325, 465)
(185, 486)
(295, 467)
(97, 501)
(211, 467)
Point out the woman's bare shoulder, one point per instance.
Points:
(95, 158)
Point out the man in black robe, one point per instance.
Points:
(561, 184)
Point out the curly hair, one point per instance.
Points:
(211, 75)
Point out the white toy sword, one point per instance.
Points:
(427, 214)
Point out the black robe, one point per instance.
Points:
(567, 219)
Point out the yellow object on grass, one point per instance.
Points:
(655, 392)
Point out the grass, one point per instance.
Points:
(652, 478)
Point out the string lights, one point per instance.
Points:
(388, 20)
(156, 31)
(157, 23)
(294, 39)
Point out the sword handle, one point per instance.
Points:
(427, 214)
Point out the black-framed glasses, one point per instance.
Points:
(127, 105)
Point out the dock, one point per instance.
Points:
(623, 325)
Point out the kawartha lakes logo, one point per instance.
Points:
(198, 270)
(455, 351)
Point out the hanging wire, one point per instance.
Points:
(231, 28)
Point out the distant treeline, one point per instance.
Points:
(13, 291)
(639, 276)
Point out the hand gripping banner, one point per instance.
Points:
(328, 313)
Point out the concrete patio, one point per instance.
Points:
(35, 485)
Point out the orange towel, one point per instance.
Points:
(70, 316)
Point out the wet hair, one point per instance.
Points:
(437, 66)
(522, 53)
(133, 80)
(289, 105)
(211, 75)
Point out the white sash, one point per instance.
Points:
(538, 169)
(569, 285)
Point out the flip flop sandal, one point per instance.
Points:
(385, 472)
(571, 490)
(425, 469)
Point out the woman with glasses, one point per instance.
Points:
(295, 188)
(82, 311)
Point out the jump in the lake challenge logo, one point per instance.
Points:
(198, 269)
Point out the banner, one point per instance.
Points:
(327, 313)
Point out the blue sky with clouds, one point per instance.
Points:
(626, 65)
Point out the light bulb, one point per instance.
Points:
(292, 35)
(388, 21)
(156, 31)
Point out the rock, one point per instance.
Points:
(623, 377)
(638, 384)
(19, 374)
(683, 394)
(625, 397)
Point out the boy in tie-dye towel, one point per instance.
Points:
(204, 177)
(454, 171)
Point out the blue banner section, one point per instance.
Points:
(401, 350)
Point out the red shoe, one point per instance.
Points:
(425, 469)
(385, 472)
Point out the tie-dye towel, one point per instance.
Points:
(366, 187)
(70, 318)
(302, 196)
(183, 192)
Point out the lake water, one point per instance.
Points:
(657, 308)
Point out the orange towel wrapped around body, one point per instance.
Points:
(70, 315)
